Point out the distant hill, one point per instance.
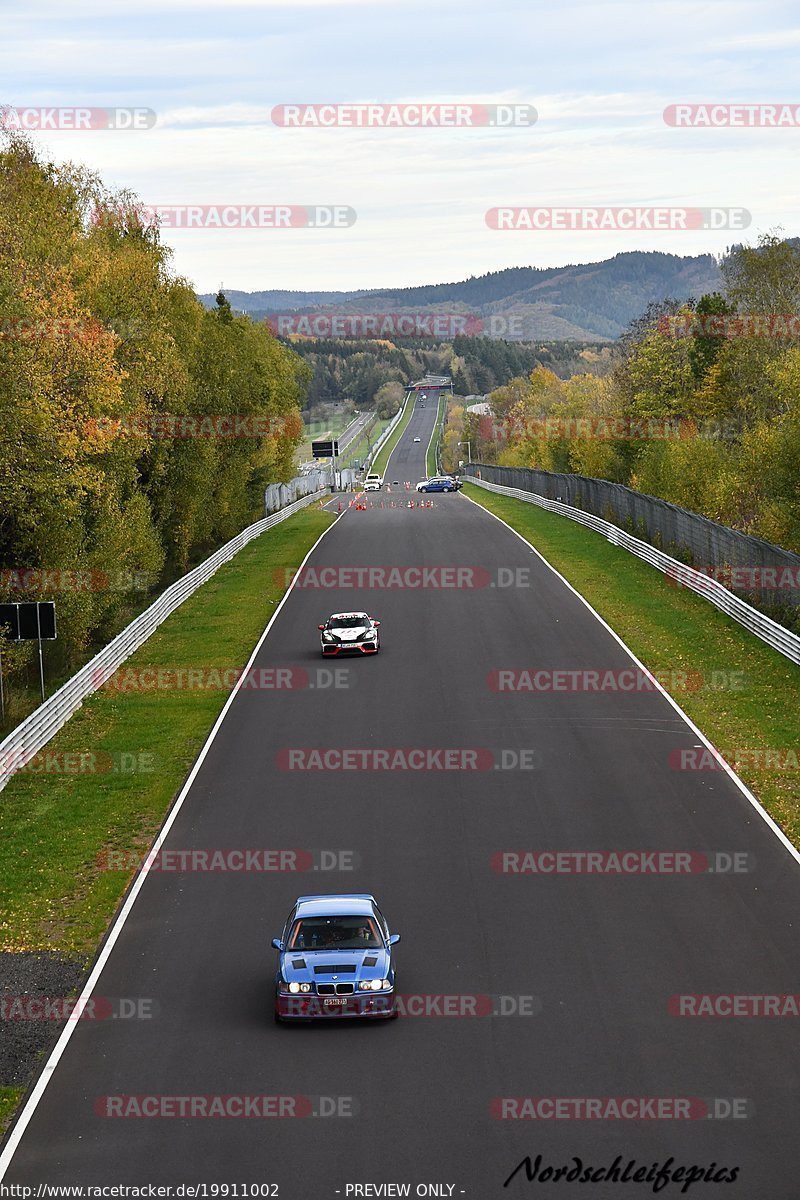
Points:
(581, 302)
(279, 301)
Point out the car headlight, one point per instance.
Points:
(294, 988)
(376, 985)
(305, 987)
(385, 983)
(327, 637)
(372, 634)
(364, 986)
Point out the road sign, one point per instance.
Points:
(325, 449)
(30, 620)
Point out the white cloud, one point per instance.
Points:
(769, 39)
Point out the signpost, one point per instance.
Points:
(26, 621)
(327, 449)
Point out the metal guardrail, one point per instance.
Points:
(769, 631)
(36, 730)
(368, 461)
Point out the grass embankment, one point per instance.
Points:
(430, 454)
(314, 431)
(382, 459)
(53, 893)
(360, 448)
(744, 696)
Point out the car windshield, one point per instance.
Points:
(347, 622)
(334, 933)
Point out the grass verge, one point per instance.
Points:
(743, 695)
(56, 825)
(9, 1099)
(319, 430)
(430, 453)
(360, 448)
(382, 459)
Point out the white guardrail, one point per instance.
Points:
(36, 730)
(386, 433)
(769, 631)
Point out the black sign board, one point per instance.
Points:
(324, 449)
(29, 621)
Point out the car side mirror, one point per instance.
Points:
(320, 627)
(277, 943)
(374, 622)
(394, 938)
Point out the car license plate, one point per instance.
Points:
(335, 1001)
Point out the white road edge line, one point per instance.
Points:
(430, 440)
(743, 788)
(47, 1071)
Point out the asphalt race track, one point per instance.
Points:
(580, 968)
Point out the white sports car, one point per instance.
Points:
(349, 633)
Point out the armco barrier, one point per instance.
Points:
(36, 730)
(782, 640)
(386, 433)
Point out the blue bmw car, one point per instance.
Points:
(335, 960)
(438, 483)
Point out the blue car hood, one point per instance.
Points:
(310, 966)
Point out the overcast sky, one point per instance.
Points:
(599, 76)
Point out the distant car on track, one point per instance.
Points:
(335, 960)
(349, 633)
(417, 439)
